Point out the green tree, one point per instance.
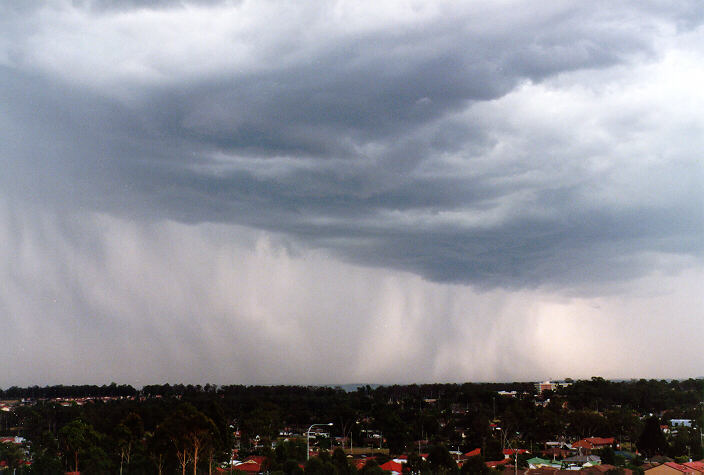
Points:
(608, 456)
(370, 468)
(652, 440)
(523, 460)
(159, 444)
(123, 442)
(339, 460)
(78, 438)
(45, 462)
(191, 432)
(440, 460)
(292, 467)
(493, 450)
(696, 443)
(127, 434)
(45, 454)
(475, 465)
(12, 454)
(319, 466)
(416, 463)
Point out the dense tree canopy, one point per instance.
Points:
(652, 440)
(191, 428)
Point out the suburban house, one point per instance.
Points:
(671, 468)
(586, 446)
(699, 466)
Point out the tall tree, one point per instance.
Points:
(652, 440)
(475, 465)
(191, 432)
(78, 437)
(440, 460)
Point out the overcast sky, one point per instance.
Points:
(350, 191)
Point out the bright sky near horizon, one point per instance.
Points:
(328, 192)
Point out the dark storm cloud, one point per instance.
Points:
(366, 142)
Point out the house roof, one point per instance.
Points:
(543, 470)
(698, 466)
(592, 442)
(604, 468)
(601, 440)
(680, 467)
(583, 459)
(513, 451)
(248, 467)
(659, 459)
(473, 453)
(539, 461)
(251, 464)
(392, 466)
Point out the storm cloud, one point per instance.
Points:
(451, 180)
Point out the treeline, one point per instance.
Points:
(144, 433)
(74, 391)
(645, 396)
(640, 395)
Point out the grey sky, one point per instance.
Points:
(227, 191)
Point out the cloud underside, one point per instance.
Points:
(490, 145)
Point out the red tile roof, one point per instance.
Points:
(392, 466)
(513, 451)
(473, 453)
(601, 440)
(249, 466)
(593, 442)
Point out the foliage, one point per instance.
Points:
(143, 431)
(320, 466)
(493, 450)
(652, 440)
(607, 455)
(12, 454)
(440, 460)
(371, 468)
(475, 465)
(79, 440)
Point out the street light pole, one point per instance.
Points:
(308, 437)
